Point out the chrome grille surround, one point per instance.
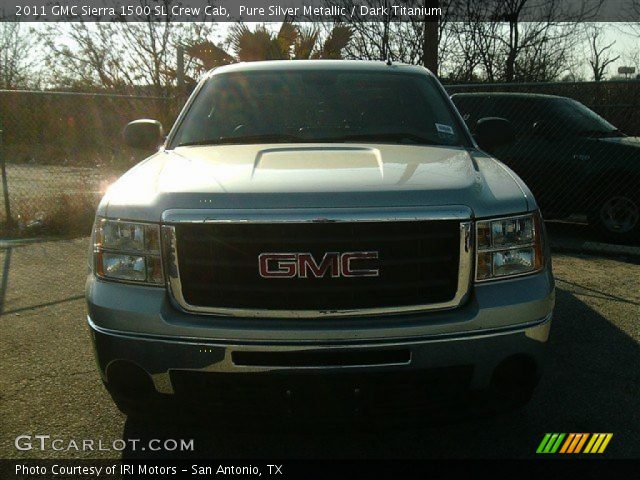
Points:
(171, 218)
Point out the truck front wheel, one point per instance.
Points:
(617, 217)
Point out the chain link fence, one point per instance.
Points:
(577, 146)
(61, 150)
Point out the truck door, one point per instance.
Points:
(541, 154)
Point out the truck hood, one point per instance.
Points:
(313, 176)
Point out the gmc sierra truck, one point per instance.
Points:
(319, 234)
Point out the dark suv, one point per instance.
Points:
(574, 161)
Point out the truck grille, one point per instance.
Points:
(418, 264)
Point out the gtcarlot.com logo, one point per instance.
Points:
(47, 442)
(574, 443)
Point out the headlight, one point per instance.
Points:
(127, 251)
(507, 247)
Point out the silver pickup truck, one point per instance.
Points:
(319, 235)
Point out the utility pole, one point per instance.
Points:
(5, 185)
(180, 69)
(430, 38)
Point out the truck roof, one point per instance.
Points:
(506, 94)
(320, 65)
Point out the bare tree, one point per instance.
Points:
(417, 40)
(370, 40)
(632, 58)
(494, 40)
(632, 11)
(512, 41)
(18, 59)
(122, 56)
(460, 62)
(600, 54)
(535, 50)
(387, 39)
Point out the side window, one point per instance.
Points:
(520, 112)
(472, 108)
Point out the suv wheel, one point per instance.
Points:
(617, 217)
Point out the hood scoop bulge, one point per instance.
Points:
(316, 164)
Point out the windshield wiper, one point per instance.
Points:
(383, 137)
(240, 139)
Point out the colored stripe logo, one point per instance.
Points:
(574, 443)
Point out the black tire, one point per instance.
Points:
(616, 217)
(135, 409)
(141, 406)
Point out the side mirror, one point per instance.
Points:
(146, 134)
(494, 132)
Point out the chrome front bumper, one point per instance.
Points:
(139, 326)
(158, 356)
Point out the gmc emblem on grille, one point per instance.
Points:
(303, 265)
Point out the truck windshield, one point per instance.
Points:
(320, 107)
(579, 119)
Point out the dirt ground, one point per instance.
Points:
(49, 383)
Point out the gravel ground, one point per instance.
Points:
(49, 383)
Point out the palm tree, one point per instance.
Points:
(292, 42)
